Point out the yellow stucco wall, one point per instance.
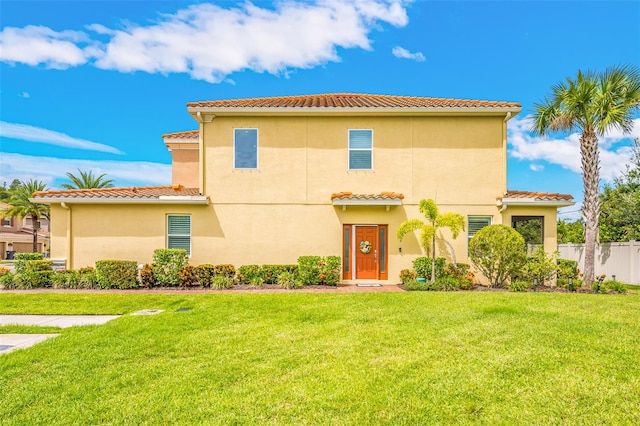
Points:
(283, 209)
(184, 167)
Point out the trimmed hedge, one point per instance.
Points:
(22, 258)
(167, 265)
(120, 274)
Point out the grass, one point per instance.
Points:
(343, 359)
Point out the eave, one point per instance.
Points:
(197, 200)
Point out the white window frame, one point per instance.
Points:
(257, 148)
(6, 222)
(180, 235)
(469, 235)
(349, 149)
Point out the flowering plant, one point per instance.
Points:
(365, 246)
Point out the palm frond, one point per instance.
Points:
(408, 226)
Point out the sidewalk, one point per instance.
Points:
(11, 342)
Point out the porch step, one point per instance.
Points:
(369, 285)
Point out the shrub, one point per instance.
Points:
(66, 279)
(7, 281)
(446, 283)
(38, 265)
(270, 273)
(256, 282)
(309, 269)
(613, 286)
(4, 271)
(220, 282)
(422, 266)
(519, 285)
(188, 276)
(205, 274)
(88, 278)
(330, 267)
(120, 274)
(147, 276)
(414, 285)
(22, 258)
(226, 270)
(567, 268)
(167, 265)
(289, 280)
(499, 252)
(462, 273)
(246, 273)
(407, 275)
(35, 279)
(541, 265)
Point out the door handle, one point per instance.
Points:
(375, 255)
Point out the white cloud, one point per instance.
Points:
(565, 151)
(25, 95)
(209, 42)
(33, 45)
(536, 167)
(401, 52)
(124, 173)
(35, 134)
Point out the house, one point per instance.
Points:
(266, 180)
(16, 235)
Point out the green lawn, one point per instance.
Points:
(330, 359)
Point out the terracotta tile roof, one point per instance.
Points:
(142, 192)
(381, 196)
(538, 196)
(351, 100)
(189, 134)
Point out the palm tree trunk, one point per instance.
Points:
(591, 204)
(433, 258)
(35, 232)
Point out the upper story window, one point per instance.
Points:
(360, 149)
(245, 148)
(6, 221)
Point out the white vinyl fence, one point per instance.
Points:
(619, 259)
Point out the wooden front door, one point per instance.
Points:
(366, 263)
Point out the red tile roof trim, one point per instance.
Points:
(540, 196)
(142, 192)
(188, 134)
(351, 100)
(381, 196)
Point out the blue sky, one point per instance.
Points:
(94, 84)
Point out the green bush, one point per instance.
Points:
(38, 265)
(330, 267)
(226, 270)
(66, 279)
(415, 285)
(446, 283)
(612, 286)
(120, 274)
(407, 275)
(309, 269)
(189, 276)
(256, 282)
(246, 273)
(147, 276)
(88, 278)
(499, 252)
(22, 258)
(220, 282)
(167, 265)
(422, 266)
(462, 273)
(541, 265)
(205, 273)
(289, 281)
(7, 281)
(519, 285)
(37, 279)
(567, 268)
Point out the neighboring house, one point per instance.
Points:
(16, 235)
(267, 180)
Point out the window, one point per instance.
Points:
(382, 241)
(531, 228)
(179, 232)
(245, 148)
(476, 223)
(6, 221)
(360, 149)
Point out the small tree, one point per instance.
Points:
(21, 205)
(435, 221)
(541, 265)
(499, 252)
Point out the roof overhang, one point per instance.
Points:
(534, 202)
(367, 202)
(163, 199)
(207, 113)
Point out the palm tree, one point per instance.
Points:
(435, 221)
(21, 206)
(87, 180)
(591, 104)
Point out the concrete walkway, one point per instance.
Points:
(11, 342)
